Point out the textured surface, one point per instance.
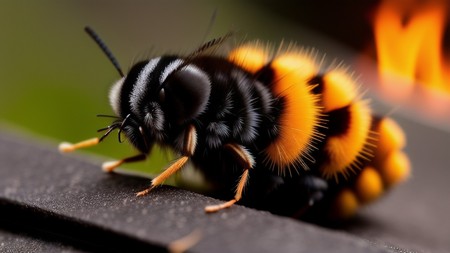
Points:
(51, 202)
(73, 200)
(11, 242)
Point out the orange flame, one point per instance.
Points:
(408, 37)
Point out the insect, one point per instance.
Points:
(272, 130)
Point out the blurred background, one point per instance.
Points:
(54, 79)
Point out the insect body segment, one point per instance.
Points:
(388, 167)
(271, 131)
(311, 112)
(300, 117)
(358, 154)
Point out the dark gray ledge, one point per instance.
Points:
(69, 200)
(53, 202)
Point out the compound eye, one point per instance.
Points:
(186, 93)
(162, 95)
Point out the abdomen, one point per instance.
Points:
(297, 121)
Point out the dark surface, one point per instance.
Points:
(11, 242)
(50, 202)
(73, 201)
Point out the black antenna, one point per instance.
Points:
(104, 48)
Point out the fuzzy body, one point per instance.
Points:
(310, 135)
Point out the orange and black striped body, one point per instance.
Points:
(298, 139)
(321, 148)
(312, 138)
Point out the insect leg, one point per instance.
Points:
(66, 147)
(189, 145)
(247, 161)
(110, 166)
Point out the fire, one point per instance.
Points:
(409, 45)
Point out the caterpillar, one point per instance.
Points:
(269, 130)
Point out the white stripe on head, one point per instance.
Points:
(169, 69)
(114, 95)
(141, 85)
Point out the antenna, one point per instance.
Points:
(104, 48)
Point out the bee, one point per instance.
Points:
(269, 130)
